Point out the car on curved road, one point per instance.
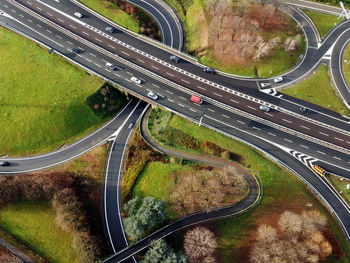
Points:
(4, 163)
(278, 79)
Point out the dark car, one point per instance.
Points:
(109, 29)
(4, 163)
(209, 70)
(304, 110)
(174, 59)
(76, 50)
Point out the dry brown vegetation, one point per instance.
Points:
(207, 189)
(138, 154)
(235, 34)
(7, 257)
(147, 25)
(199, 245)
(298, 238)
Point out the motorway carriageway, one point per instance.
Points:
(194, 83)
(178, 101)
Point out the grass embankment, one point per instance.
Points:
(112, 12)
(340, 185)
(323, 22)
(199, 42)
(33, 224)
(346, 64)
(282, 191)
(43, 98)
(319, 89)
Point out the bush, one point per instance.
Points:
(144, 215)
(138, 154)
(106, 101)
(161, 252)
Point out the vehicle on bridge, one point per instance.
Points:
(319, 170)
(196, 99)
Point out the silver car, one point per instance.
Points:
(77, 14)
(152, 95)
(135, 80)
(264, 108)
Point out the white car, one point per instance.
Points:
(152, 95)
(279, 79)
(136, 80)
(111, 66)
(77, 14)
(264, 108)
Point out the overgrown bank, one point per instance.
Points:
(58, 213)
(241, 37)
(281, 188)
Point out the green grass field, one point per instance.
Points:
(340, 186)
(319, 89)
(155, 181)
(112, 12)
(33, 224)
(42, 100)
(346, 64)
(282, 191)
(323, 22)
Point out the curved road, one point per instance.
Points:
(274, 152)
(216, 118)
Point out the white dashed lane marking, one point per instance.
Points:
(250, 107)
(322, 133)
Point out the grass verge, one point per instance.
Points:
(282, 191)
(319, 89)
(323, 22)
(346, 64)
(111, 11)
(33, 224)
(340, 185)
(43, 98)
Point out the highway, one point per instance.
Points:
(231, 105)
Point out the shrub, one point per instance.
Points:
(161, 252)
(144, 215)
(106, 101)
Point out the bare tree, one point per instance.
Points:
(200, 243)
(290, 222)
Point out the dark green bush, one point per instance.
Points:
(107, 100)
